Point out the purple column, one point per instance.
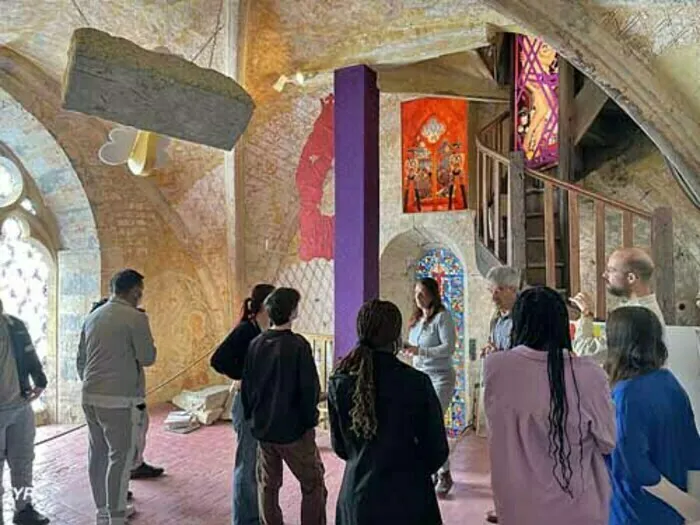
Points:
(356, 124)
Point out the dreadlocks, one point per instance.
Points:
(378, 328)
(541, 322)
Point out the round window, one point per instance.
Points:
(10, 182)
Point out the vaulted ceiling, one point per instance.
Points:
(655, 44)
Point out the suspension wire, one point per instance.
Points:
(150, 391)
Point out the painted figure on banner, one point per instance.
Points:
(434, 137)
(537, 102)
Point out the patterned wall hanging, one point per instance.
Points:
(315, 165)
(443, 266)
(434, 154)
(537, 102)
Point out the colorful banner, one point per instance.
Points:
(536, 102)
(434, 154)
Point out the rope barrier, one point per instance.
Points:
(154, 389)
(463, 434)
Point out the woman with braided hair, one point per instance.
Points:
(551, 421)
(386, 423)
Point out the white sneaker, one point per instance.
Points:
(103, 517)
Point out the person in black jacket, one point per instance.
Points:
(387, 424)
(280, 394)
(228, 360)
(19, 367)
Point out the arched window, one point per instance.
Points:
(27, 256)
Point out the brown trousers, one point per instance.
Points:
(304, 460)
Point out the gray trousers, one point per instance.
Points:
(17, 433)
(444, 385)
(113, 435)
(141, 438)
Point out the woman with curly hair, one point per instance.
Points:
(657, 441)
(386, 423)
(551, 421)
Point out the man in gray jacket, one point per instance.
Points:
(115, 344)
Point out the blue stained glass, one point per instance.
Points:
(444, 266)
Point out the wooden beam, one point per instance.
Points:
(517, 240)
(600, 261)
(574, 246)
(497, 209)
(483, 178)
(550, 254)
(566, 120)
(431, 78)
(588, 103)
(627, 230)
(566, 155)
(662, 253)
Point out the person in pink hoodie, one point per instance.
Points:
(551, 421)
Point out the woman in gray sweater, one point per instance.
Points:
(431, 339)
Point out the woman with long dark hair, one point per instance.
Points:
(386, 423)
(657, 440)
(550, 420)
(432, 340)
(228, 359)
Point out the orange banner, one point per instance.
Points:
(434, 154)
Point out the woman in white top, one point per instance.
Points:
(432, 340)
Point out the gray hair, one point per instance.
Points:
(504, 276)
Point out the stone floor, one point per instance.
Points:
(197, 485)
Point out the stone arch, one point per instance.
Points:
(78, 264)
(400, 266)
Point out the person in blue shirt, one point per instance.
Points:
(657, 441)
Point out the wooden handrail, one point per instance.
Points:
(569, 186)
(496, 120)
(496, 171)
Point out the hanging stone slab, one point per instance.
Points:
(114, 79)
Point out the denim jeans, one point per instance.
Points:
(245, 486)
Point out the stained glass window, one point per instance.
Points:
(24, 281)
(537, 102)
(434, 154)
(10, 182)
(443, 266)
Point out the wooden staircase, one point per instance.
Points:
(531, 220)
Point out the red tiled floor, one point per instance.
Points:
(197, 486)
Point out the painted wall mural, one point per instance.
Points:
(443, 266)
(315, 163)
(537, 102)
(434, 154)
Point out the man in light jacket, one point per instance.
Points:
(627, 275)
(115, 345)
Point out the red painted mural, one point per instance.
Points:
(434, 154)
(315, 163)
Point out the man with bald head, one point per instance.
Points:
(628, 275)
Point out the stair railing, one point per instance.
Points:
(501, 219)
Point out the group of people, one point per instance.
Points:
(592, 445)
(115, 345)
(381, 411)
(570, 441)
